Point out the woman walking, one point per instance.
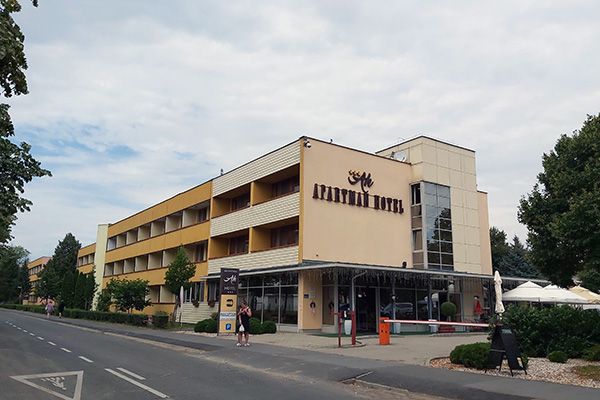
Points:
(244, 315)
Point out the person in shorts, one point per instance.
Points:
(244, 314)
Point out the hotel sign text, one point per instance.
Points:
(363, 198)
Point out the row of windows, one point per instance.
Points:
(281, 188)
(87, 259)
(181, 219)
(36, 270)
(280, 237)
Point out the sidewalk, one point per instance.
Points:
(331, 364)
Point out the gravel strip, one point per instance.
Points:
(539, 369)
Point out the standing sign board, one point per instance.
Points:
(504, 344)
(228, 300)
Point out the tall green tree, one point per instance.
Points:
(64, 259)
(499, 246)
(11, 259)
(129, 294)
(590, 279)
(179, 273)
(23, 281)
(89, 290)
(50, 284)
(79, 292)
(511, 259)
(562, 213)
(17, 165)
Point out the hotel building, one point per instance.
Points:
(34, 268)
(314, 228)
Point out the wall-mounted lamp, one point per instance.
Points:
(307, 143)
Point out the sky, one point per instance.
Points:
(133, 102)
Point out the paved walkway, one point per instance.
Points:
(318, 363)
(410, 349)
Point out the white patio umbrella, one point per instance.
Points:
(555, 294)
(498, 287)
(527, 291)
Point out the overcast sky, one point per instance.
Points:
(134, 101)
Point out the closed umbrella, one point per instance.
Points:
(498, 287)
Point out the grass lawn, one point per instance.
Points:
(588, 371)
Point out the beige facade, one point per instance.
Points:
(34, 269)
(316, 227)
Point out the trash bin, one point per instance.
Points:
(433, 328)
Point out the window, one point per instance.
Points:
(438, 224)
(416, 194)
(240, 202)
(203, 214)
(213, 290)
(284, 236)
(200, 252)
(195, 292)
(238, 245)
(290, 185)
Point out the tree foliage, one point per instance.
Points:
(59, 276)
(510, 259)
(179, 273)
(17, 165)
(24, 285)
(11, 260)
(562, 213)
(128, 295)
(590, 279)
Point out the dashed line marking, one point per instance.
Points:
(24, 330)
(136, 383)
(67, 350)
(32, 334)
(52, 344)
(136, 376)
(86, 359)
(41, 338)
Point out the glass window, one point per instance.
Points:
(255, 301)
(238, 245)
(213, 290)
(328, 304)
(433, 245)
(416, 194)
(443, 202)
(433, 258)
(289, 305)
(290, 185)
(446, 247)
(290, 278)
(271, 304)
(284, 236)
(422, 305)
(255, 281)
(446, 236)
(418, 240)
(404, 304)
(430, 188)
(241, 201)
(445, 224)
(443, 191)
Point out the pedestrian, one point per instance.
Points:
(61, 308)
(244, 314)
(49, 307)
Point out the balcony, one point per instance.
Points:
(260, 259)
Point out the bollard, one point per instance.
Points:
(384, 332)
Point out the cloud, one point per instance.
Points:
(131, 104)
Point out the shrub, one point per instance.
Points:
(558, 357)
(456, 354)
(211, 326)
(540, 331)
(592, 353)
(200, 326)
(448, 309)
(525, 360)
(255, 326)
(269, 327)
(161, 319)
(473, 355)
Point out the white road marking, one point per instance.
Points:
(67, 350)
(136, 376)
(57, 380)
(24, 330)
(52, 344)
(19, 328)
(136, 383)
(86, 359)
(32, 334)
(41, 338)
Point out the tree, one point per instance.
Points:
(49, 284)
(23, 281)
(128, 295)
(79, 291)
(89, 290)
(562, 213)
(179, 273)
(67, 290)
(510, 259)
(64, 259)
(11, 259)
(17, 165)
(590, 279)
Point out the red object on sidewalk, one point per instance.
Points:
(384, 332)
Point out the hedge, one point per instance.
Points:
(116, 317)
(562, 328)
(256, 328)
(473, 355)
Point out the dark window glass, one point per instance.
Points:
(433, 245)
(445, 224)
(447, 268)
(203, 214)
(447, 259)
(416, 194)
(418, 257)
(290, 185)
(241, 201)
(422, 305)
(446, 247)
(434, 266)
(418, 240)
(432, 212)
(213, 290)
(255, 301)
(290, 278)
(255, 281)
(446, 236)
(289, 305)
(284, 236)
(433, 258)
(271, 304)
(238, 245)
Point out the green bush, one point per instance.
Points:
(473, 355)
(592, 353)
(525, 360)
(255, 326)
(558, 357)
(269, 327)
(211, 326)
(200, 326)
(448, 309)
(541, 331)
(160, 319)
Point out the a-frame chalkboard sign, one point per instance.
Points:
(504, 344)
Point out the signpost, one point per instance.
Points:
(504, 344)
(228, 300)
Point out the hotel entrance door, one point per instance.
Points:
(366, 309)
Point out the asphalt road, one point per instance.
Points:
(41, 359)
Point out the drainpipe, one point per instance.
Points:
(354, 290)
